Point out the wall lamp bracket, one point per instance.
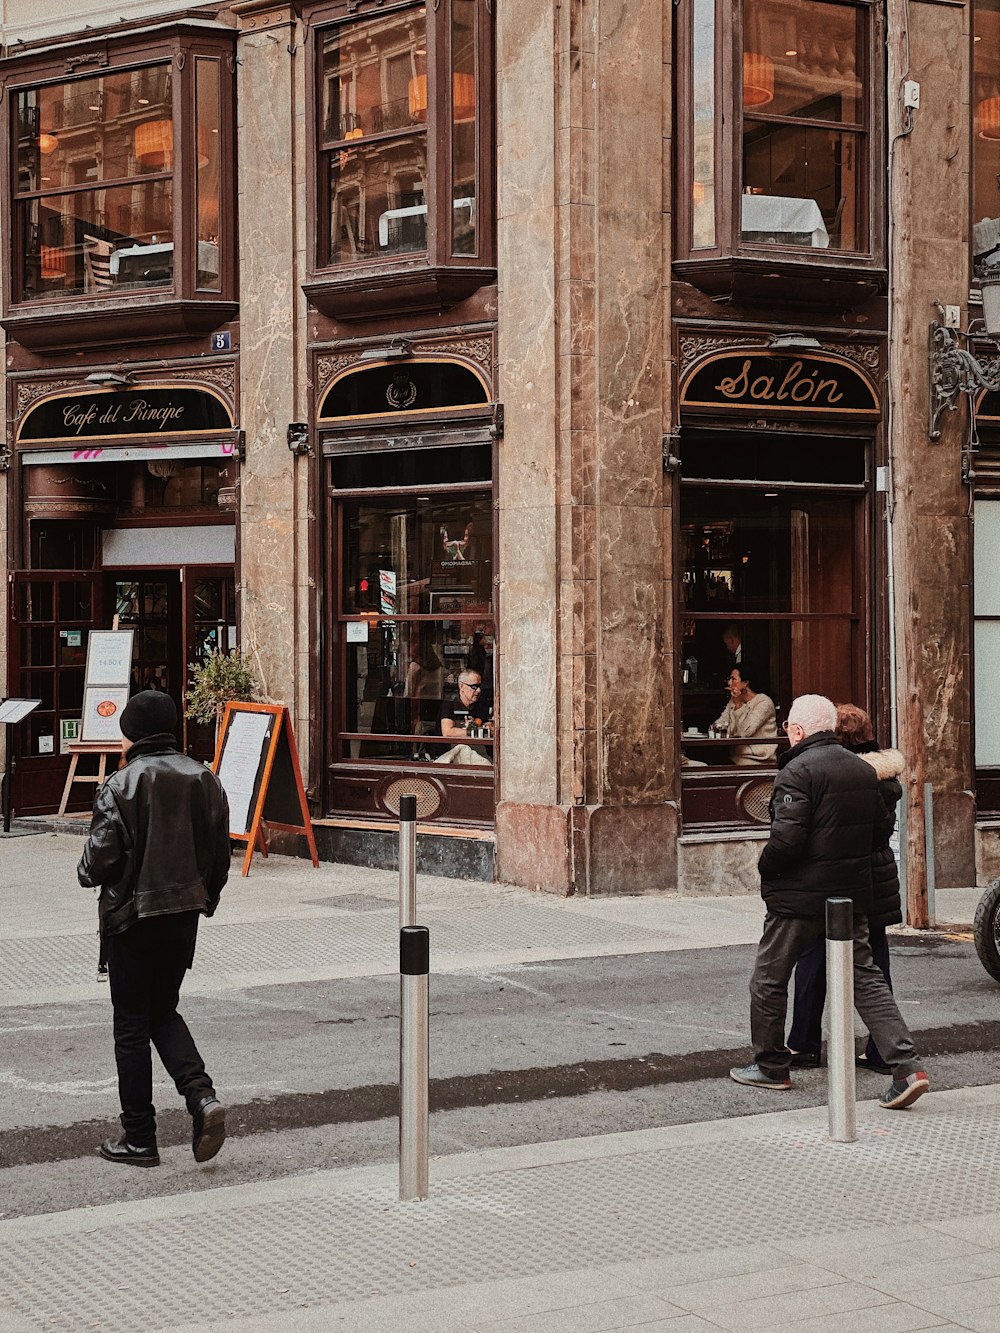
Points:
(298, 438)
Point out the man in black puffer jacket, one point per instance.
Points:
(159, 852)
(826, 815)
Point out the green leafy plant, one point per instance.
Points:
(218, 679)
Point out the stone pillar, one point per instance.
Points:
(274, 593)
(584, 605)
(930, 206)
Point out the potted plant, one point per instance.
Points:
(218, 679)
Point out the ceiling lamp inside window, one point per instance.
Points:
(758, 79)
(154, 144)
(988, 118)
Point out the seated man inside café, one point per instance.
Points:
(460, 718)
(749, 713)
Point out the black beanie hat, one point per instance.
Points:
(150, 713)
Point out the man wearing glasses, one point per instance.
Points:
(455, 713)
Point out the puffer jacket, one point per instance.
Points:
(159, 837)
(826, 818)
(886, 907)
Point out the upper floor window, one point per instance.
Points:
(985, 135)
(404, 128)
(792, 169)
(121, 178)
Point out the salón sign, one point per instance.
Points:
(780, 382)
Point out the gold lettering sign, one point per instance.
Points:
(780, 383)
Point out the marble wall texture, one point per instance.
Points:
(586, 799)
(931, 533)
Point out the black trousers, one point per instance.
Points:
(146, 965)
(806, 1032)
(784, 941)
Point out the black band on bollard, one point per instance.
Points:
(408, 809)
(414, 951)
(839, 919)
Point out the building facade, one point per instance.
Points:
(581, 346)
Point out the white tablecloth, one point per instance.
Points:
(774, 215)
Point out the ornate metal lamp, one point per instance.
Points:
(954, 370)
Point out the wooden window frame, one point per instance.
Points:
(138, 314)
(839, 278)
(436, 278)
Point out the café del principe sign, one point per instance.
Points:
(768, 382)
(141, 410)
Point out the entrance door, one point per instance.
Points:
(51, 615)
(210, 626)
(149, 602)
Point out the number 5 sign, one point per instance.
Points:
(222, 342)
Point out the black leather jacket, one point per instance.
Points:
(159, 837)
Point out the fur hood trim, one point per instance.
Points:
(886, 763)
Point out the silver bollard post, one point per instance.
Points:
(841, 1087)
(414, 1051)
(407, 861)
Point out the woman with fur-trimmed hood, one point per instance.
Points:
(854, 731)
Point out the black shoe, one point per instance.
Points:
(755, 1077)
(121, 1150)
(806, 1059)
(876, 1066)
(209, 1130)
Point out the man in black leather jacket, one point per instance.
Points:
(826, 813)
(159, 852)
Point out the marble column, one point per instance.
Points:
(585, 793)
(274, 589)
(931, 531)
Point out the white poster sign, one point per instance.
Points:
(15, 710)
(102, 711)
(245, 740)
(109, 657)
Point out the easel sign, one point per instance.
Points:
(258, 765)
(106, 685)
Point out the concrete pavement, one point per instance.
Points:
(739, 1224)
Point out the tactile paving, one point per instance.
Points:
(278, 1257)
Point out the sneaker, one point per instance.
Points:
(755, 1077)
(903, 1092)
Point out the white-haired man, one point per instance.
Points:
(825, 811)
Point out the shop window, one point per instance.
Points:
(772, 585)
(986, 608)
(791, 174)
(417, 581)
(122, 183)
(985, 136)
(404, 130)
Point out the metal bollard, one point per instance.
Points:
(841, 1087)
(414, 1050)
(407, 861)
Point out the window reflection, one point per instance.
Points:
(986, 136)
(81, 235)
(463, 126)
(209, 118)
(420, 572)
(768, 582)
(803, 62)
(703, 185)
(375, 107)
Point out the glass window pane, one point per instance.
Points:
(36, 603)
(378, 202)
(703, 132)
(754, 552)
(70, 691)
(986, 134)
(418, 557)
(375, 107)
(208, 150)
(99, 241)
(801, 186)
(75, 602)
(987, 717)
(38, 647)
(112, 127)
(986, 557)
(464, 128)
(803, 58)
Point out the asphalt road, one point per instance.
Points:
(533, 1052)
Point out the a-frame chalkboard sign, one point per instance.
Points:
(258, 765)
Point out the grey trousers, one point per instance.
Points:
(783, 942)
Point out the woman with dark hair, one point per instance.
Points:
(749, 712)
(854, 731)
